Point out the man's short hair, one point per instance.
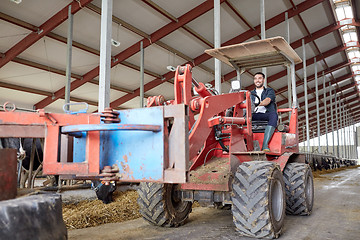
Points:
(260, 74)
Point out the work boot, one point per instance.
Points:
(269, 130)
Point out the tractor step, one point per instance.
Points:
(255, 155)
(249, 153)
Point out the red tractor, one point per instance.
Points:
(224, 165)
(199, 147)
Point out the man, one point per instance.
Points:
(266, 110)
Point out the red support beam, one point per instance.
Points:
(321, 111)
(312, 77)
(349, 94)
(355, 115)
(313, 122)
(299, 66)
(320, 33)
(43, 30)
(240, 38)
(154, 37)
(339, 79)
(301, 116)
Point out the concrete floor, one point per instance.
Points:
(336, 215)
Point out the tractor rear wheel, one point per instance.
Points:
(258, 199)
(160, 205)
(299, 188)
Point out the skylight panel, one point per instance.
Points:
(348, 12)
(353, 36)
(347, 37)
(350, 36)
(354, 54)
(356, 68)
(340, 13)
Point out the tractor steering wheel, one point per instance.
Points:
(255, 95)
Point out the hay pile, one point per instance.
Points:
(318, 174)
(93, 213)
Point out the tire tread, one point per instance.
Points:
(294, 178)
(250, 197)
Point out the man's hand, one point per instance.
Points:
(265, 102)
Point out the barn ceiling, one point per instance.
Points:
(33, 49)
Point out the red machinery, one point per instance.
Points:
(200, 148)
(223, 166)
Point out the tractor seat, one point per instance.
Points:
(259, 127)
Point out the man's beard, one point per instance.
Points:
(259, 86)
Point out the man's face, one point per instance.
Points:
(258, 80)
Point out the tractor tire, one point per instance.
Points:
(299, 188)
(160, 206)
(258, 199)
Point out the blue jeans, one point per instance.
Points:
(271, 117)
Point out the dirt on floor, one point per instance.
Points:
(93, 213)
(90, 213)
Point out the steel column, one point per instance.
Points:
(289, 86)
(304, 136)
(141, 74)
(353, 133)
(337, 112)
(345, 133)
(317, 104)
(313, 144)
(293, 80)
(287, 28)
(332, 120)
(306, 100)
(69, 57)
(263, 29)
(287, 37)
(343, 129)
(326, 122)
(105, 54)
(217, 44)
(356, 144)
(350, 137)
(340, 126)
(347, 137)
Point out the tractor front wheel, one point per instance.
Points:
(160, 205)
(258, 199)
